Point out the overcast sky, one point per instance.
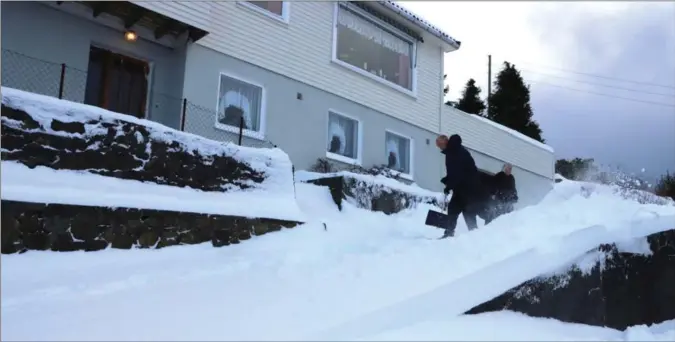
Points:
(626, 40)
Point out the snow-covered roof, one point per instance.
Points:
(420, 22)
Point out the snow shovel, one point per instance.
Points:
(436, 219)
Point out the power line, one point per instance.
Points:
(602, 94)
(598, 84)
(600, 76)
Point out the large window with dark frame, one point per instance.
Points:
(365, 44)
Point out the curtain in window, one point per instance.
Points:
(393, 149)
(341, 136)
(372, 32)
(239, 100)
(404, 68)
(398, 152)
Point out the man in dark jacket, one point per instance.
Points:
(503, 194)
(463, 180)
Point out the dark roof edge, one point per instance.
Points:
(421, 22)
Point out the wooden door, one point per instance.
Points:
(117, 82)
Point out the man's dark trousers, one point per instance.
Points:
(469, 207)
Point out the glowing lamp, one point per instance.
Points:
(130, 36)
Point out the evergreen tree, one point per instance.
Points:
(666, 186)
(510, 103)
(470, 101)
(574, 169)
(446, 89)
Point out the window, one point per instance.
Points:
(237, 101)
(398, 153)
(275, 9)
(364, 44)
(343, 138)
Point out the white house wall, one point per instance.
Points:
(302, 50)
(497, 143)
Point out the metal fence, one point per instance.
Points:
(65, 82)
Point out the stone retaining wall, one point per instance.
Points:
(622, 290)
(119, 149)
(60, 227)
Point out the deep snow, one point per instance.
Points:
(310, 281)
(350, 275)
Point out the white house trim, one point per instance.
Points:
(411, 154)
(283, 18)
(359, 137)
(260, 134)
(413, 58)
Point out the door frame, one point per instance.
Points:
(151, 71)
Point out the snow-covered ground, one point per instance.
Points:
(349, 275)
(361, 276)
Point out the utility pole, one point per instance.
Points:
(489, 90)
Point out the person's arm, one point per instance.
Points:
(512, 188)
(453, 171)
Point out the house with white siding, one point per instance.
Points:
(355, 82)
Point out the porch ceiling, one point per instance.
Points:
(133, 14)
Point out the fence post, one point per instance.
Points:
(182, 117)
(241, 128)
(63, 77)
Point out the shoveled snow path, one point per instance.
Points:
(285, 285)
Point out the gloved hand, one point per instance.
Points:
(446, 191)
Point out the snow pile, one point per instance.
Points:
(566, 189)
(664, 331)
(46, 185)
(339, 267)
(513, 326)
(362, 189)
(413, 189)
(272, 198)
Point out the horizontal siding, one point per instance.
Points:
(497, 143)
(192, 13)
(302, 50)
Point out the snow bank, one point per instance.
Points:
(45, 109)
(413, 189)
(377, 193)
(336, 268)
(270, 195)
(46, 185)
(513, 326)
(566, 189)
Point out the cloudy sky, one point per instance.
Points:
(561, 48)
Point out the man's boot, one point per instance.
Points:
(448, 233)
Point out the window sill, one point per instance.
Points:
(343, 159)
(246, 132)
(278, 18)
(380, 80)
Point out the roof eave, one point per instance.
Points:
(452, 43)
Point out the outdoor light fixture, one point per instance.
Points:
(130, 36)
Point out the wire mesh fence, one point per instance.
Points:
(35, 75)
(31, 74)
